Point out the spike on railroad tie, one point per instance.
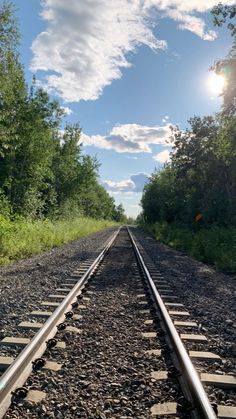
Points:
(20, 393)
(75, 304)
(38, 364)
(51, 343)
(69, 314)
(61, 326)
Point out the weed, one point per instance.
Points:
(215, 245)
(23, 238)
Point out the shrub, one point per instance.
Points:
(215, 245)
(21, 238)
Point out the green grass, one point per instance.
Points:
(215, 245)
(22, 238)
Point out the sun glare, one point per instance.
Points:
(216, 83)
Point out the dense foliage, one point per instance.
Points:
(216, 245)
(201, 177)
(43, 172)
(23, 238)
(227, 67)
(197, 189)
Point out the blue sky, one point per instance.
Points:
(125, 71)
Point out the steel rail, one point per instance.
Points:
(201, 402)
(16, 375)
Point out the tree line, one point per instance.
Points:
(199, 183)
(43, 172)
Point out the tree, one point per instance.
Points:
(201, 177)
(200, 169)
(227, 67)
(119, 214)
(12, 95)
(162, 198)
(66, 167)
(225, 152)
(223, 14)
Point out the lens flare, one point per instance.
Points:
(216, 83)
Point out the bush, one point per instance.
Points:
(22, 238)
(5, 206)
(215, 245)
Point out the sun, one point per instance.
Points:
(216, 83)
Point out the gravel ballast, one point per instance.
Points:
(208, 294)
(24, 285)
(105, 370)
(210, 297)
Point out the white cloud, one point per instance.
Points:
(163, 156)
(187, 6)
(134, 206)
(192, 23)
(135, 183)
(122, 186)
(130, 138)
(86, 42)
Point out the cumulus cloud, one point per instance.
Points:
(135, 183)
(122, 186)
(134, 206)
(191, 23)
(86, 42)
(163, 156)
(130, 138)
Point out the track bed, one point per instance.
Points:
(118, 360)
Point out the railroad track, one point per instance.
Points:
(115, 302)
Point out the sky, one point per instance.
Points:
(126, 71)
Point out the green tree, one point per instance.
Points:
(226, 15)
(163, 198)
(33, 191)
(223, 14)
(119, 214)
(12, 95)
(66, 166)
(225, 152)
(201, 177)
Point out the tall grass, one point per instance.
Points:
(21, 238)
(215, 245)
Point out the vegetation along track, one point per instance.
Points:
(118, 351)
